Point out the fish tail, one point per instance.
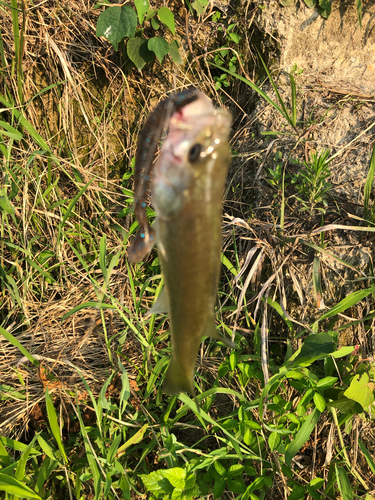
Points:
(176, 380)
(142, 244)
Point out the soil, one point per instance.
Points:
(334, 65)
(335, 50)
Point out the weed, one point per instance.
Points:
(276, 174)
(119, 22)
(369, 213)
(81, 370)
(311, 182)
(224, 57)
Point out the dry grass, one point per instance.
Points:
(78, 342)
(78, 97)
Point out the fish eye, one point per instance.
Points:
(194, 152)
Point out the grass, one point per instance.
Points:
(82, 413)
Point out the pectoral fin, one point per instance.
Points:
(210, 331)
(161, 305)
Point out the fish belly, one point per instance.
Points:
(189, 250)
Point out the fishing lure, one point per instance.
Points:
(144, 160)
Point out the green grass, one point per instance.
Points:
(83, 414)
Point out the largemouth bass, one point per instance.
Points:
(187, 188)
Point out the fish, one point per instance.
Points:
(187, 185)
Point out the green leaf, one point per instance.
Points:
(310, 3)
(235, 486)
(156, 482)
(302, 436)
(153, 376)
(220, 469)
(345, 405)
(257, 89)
(176, 476)
(138, 52)
(45, 255)
(73, 202)
(98, 305)
(155, 24)
(343, 483)
(142, 7)
(359, 12)
(274, 441)
(233, 360)
(344, 351)
(135, 439)
(235, 470)
(293, 418)
(270, 385)
(18, 344)
(367, 455)
(167, 18)
(14, 487)
(294, 99)
(228, 264)
(361, 390)
(17, 445)
(6, 205)
(174, 52)
(235, 38)
(199, 6)
(101, 3)
(102, 255)
(8, 392)
(179, 494)
(44, 472)
(307, 397)
(255, 485)
(202, 415)
(46, 447)
(287, 3)
(317, 482)
(10, 131)
(21, 466)
(30, 129)
(117, 23)
(316, 346)
(219, 486)
(150, 14)
(368, 185)
(160, 46)
(320, 402)
(325, 8)
(326, 382)
(93, 467)
(251, 424)
(41, 271)
(52, 418)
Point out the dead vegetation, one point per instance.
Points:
(78, 98)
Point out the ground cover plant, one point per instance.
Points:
(289, 413)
